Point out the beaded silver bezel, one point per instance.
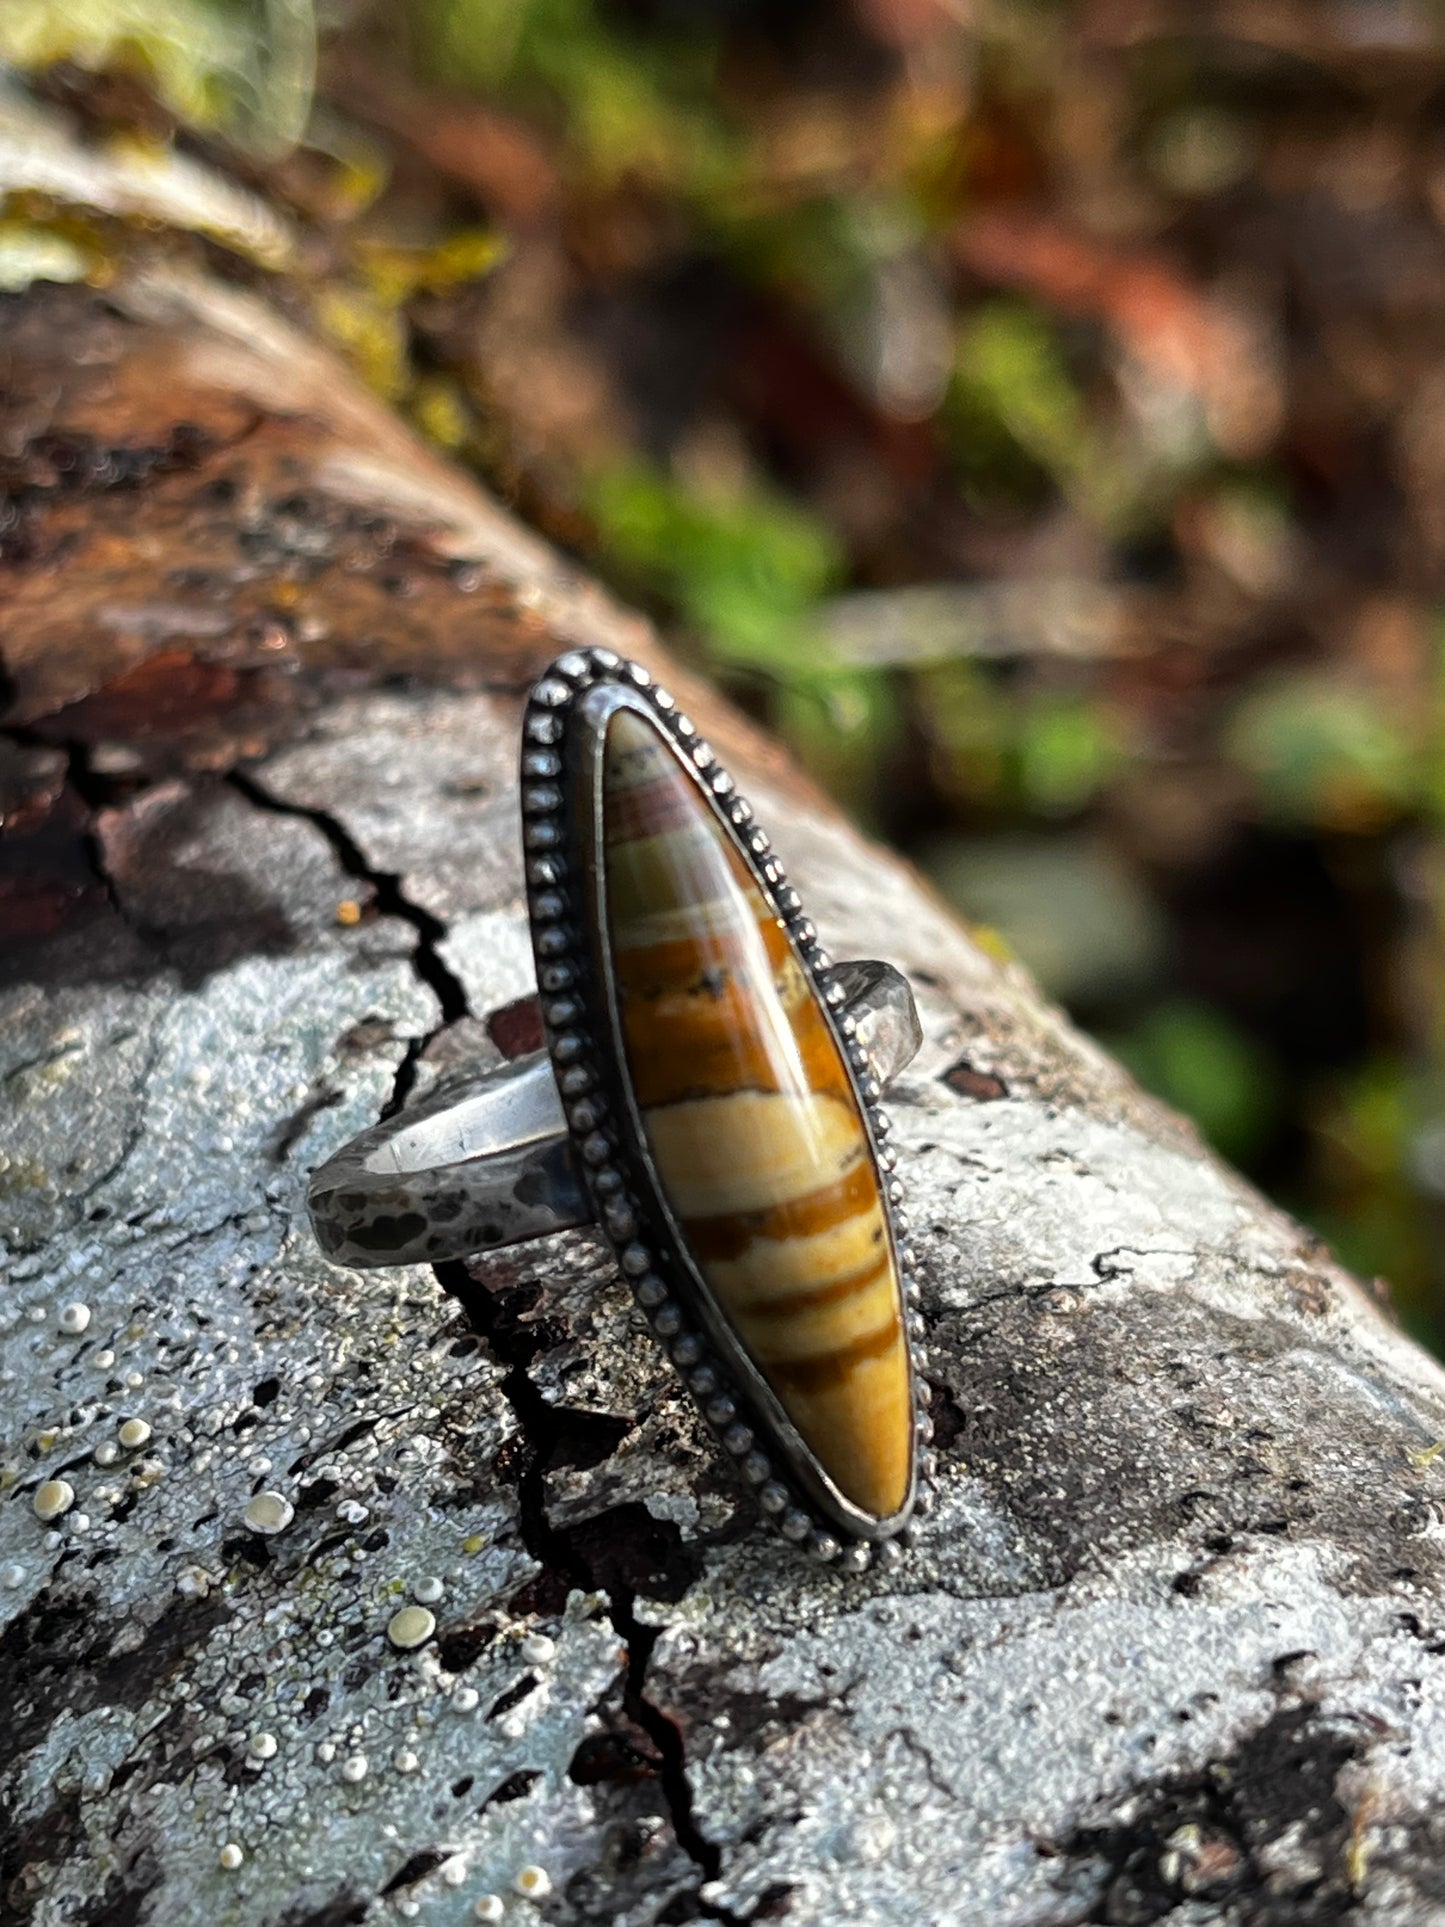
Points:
(563, 730)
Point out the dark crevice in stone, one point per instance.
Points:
(611, 1758)
(516, 1786)
(97, 793)
(983, 1086)
(595, 1555)
(58, 1653)
(1207, 1837)
(294, 1128)
(384, 888)
(344, 1911)
(772, 1904)
(464, 1646)
(26, 1848)
(94, 792)
(92, 910)
(125, 1896)
(514, 1695)
(416, 1868)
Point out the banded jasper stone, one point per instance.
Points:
(752, 1121)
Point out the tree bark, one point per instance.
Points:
(1171, 1645)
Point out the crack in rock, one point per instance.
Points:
(391, 900)
(562, 1552)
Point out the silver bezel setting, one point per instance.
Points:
(563, 730)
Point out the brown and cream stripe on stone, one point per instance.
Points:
(752, 1121)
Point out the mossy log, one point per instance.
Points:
(1171, 1645)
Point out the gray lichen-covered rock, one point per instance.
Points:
(1169, 1648)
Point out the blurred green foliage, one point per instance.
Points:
(745, 570)
(1042, 752)
(244, 66)
(1016, 421)
(1191, 1055)
(1320, 748)
(622, 105)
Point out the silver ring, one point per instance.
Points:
(487, 1159)
(708, 1095)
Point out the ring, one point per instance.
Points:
(708, 1095)
(487, 1160)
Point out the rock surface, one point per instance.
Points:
(1172, 1646)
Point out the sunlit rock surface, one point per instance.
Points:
(1172, 1641)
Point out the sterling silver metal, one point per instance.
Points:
(488, 1160)
(557, 1140)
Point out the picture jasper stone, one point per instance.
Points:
(752, 1121)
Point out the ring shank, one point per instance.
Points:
(489, 1162)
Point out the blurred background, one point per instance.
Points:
(1035, 413)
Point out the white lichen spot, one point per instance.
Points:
(412, 1626)
(532, 1882)
(406, 1761)
(193, 1582)
(263, 1746)
(75, 1318)
(53, 1498)
(538, 1648)
(134, 1381)
(510, 1727)
(354, 1768)
(134, 1434)
(428, 1590)
(106, 1453)
(488, 1907)
(326, 1752)
(454, 1871)
(12, 1575)
(269, 1513)
(105, 1359)
(352, 1512)
(230, 1856)
(466, 1699)
(869, 1839)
